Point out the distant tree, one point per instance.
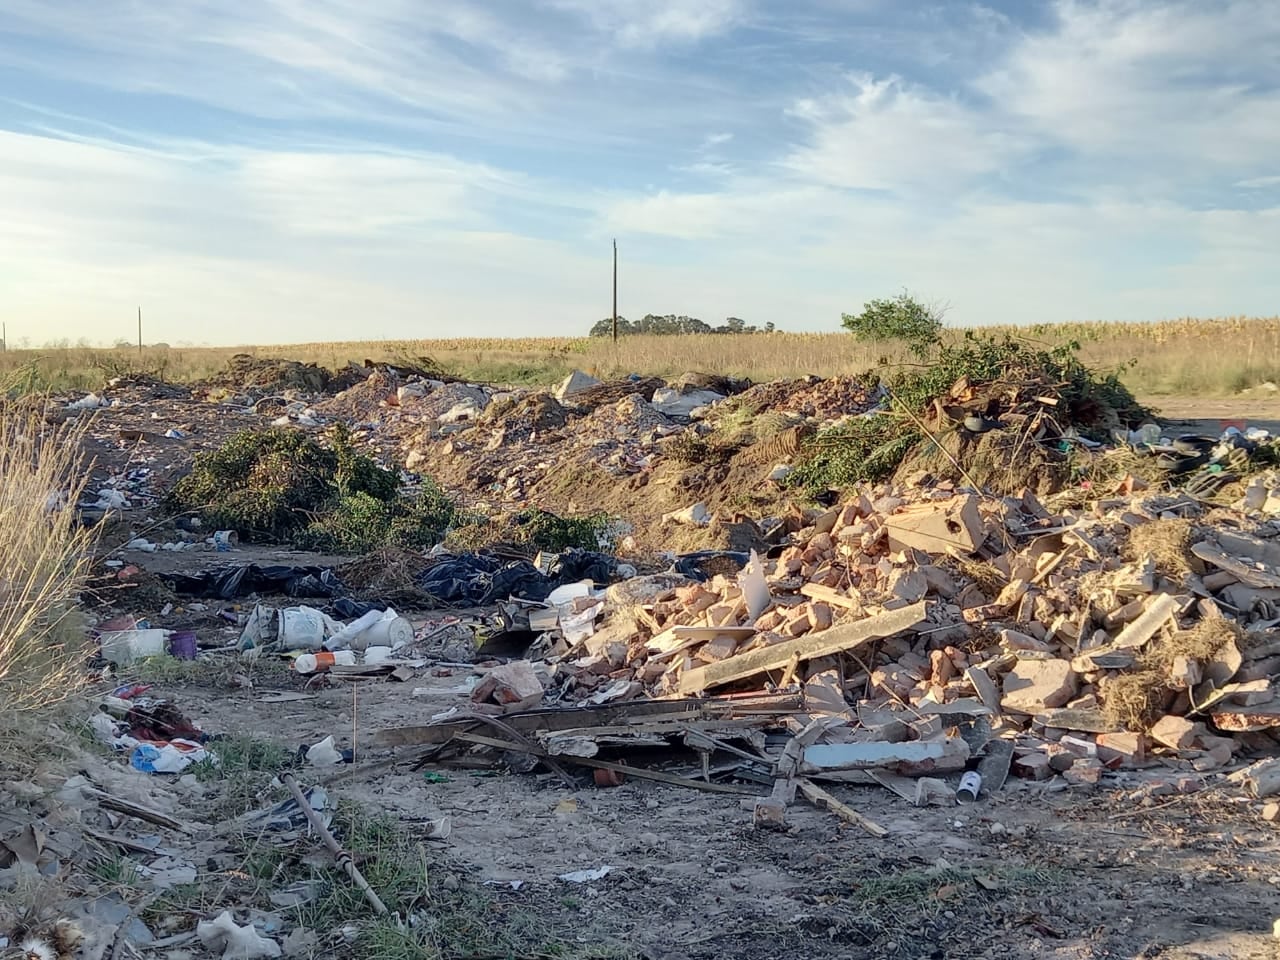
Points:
(605, 327)
(671, 324)
(898, 318)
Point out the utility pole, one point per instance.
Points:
(615, 291)
(139, 334)
(4, 337)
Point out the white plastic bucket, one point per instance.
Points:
(301, 628)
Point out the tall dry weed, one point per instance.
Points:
(44, 559)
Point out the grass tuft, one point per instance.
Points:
(44, 560)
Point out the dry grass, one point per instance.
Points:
(44, 556)
(1220, 357)
(1135, 700)
(1167, 542)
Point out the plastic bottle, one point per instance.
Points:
(313, 662)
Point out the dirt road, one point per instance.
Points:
(1026, 873)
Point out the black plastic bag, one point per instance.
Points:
(233, 582)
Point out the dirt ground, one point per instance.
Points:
(1022, 874)
(1027, 873)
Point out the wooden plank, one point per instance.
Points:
(1158, 612)
(640, 773)
(710, 633)
(136, 810)
(1242, 571)
(816, 591)
(554, 719)
(811, 647)
(823, 800)
(939, 754)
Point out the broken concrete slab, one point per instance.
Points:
(1034, 686)
(915, 756)
(1176, 733)
(575, 383)
(938, 528)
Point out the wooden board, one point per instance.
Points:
(811, 647)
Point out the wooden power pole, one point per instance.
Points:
(615, 291)
(139, 334)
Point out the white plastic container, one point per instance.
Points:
(125, 646)
(301, 628)
(391, 631)
(322, 661)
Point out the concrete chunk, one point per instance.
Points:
(1176, 733)
(1034, 686)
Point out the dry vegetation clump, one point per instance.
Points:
(1135, 700)
(44, 561)
(1167, 542)
(1171, 359)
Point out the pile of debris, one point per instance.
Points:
(920, 633)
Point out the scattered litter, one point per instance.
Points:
(587, 876)
(234, 941)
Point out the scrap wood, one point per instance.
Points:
(340, 855)
(811, 647)
(123, 843)
(818, 591)
(556, 719)
(136, 810)
(640, 773)
(1244, 572)
(823, 800)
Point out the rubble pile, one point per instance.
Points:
(1130, 635)
(822, 400)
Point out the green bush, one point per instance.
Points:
(361, 523)
(263, 484)
(899, 318)
(554, 534)
(871, 448)
(281, 485)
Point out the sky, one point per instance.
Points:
(299, 170)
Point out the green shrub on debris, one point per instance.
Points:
(281, 485)
(871, 448)
(555, 534)
(361, 523)
(260, 483)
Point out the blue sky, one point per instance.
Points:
(289, 170)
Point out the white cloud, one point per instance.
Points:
(650, 22)
(443, 62)
(241, 245)
(1258, 183)
(1171, 84)
(885, 135)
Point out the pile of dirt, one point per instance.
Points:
(999, 461)
(364, 401)
(612, 391)
(822, 400)
(261, 376)
(520, 419)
